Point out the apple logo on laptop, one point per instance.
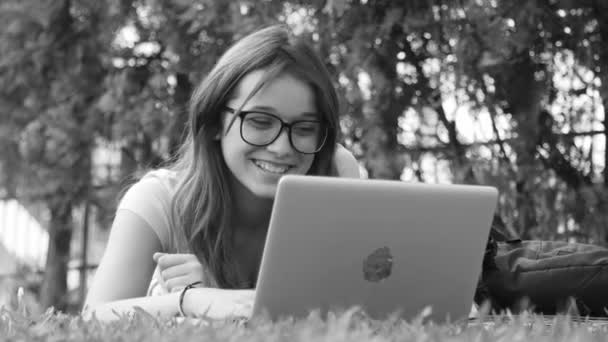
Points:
(378, 265)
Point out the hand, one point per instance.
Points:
(178, 270)
(219, 304)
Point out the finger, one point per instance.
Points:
(168, 260)
(178, 270)
(157, 255)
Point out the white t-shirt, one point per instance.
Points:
(150, 199)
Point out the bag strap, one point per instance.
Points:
(498, 233)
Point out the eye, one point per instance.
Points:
(259, 120)
(307, 128)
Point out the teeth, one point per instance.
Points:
(271, 167)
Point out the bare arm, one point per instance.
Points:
(125, 271)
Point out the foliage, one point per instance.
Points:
(534, 70)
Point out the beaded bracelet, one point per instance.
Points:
(181, 297)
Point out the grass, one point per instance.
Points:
(18, 324)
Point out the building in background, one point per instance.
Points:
(8, 263)
(22, 235)
(23, 245)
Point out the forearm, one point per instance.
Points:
(163, 305)
(211, 303)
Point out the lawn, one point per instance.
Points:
(351, 325)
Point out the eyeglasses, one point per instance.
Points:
(262, 129)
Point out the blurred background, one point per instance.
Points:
(512, 94)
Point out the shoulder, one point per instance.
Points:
(164, 179)
(346, 163)
(155, 183)
(150, 198)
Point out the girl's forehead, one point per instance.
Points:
(285, 93)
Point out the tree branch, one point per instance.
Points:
(445, 148)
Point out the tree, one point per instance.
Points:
(498, 58)
(51, 80)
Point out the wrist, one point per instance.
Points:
(182, 301)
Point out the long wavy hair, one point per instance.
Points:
(203, 202)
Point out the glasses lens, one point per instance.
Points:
(308, 136)
(261, 129)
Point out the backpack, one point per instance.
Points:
(546, 277)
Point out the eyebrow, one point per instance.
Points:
(274, 111)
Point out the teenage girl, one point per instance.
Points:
(268, 108)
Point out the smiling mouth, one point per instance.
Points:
(270, 167)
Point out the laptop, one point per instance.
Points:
(387, 247)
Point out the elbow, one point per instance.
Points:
(98, 311)
(87, 312)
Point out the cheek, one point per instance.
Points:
(232, 151)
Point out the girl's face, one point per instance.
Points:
(259, 168)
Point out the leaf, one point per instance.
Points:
(335, 8)
(392, 16)
(15, 27)
(107, 102)
(32, 143)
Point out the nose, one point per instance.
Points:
(281, 145)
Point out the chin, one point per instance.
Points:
(268, 192)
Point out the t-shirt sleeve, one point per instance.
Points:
(346, 164)
(151, 201)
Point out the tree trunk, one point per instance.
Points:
(9, 170)
(85, 251)
(523, 94)
(54, 285)
(382, 111)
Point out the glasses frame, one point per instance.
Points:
(243, 113)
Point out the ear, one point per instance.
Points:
(220, 128)
(218, 133)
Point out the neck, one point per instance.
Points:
(250, 211)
